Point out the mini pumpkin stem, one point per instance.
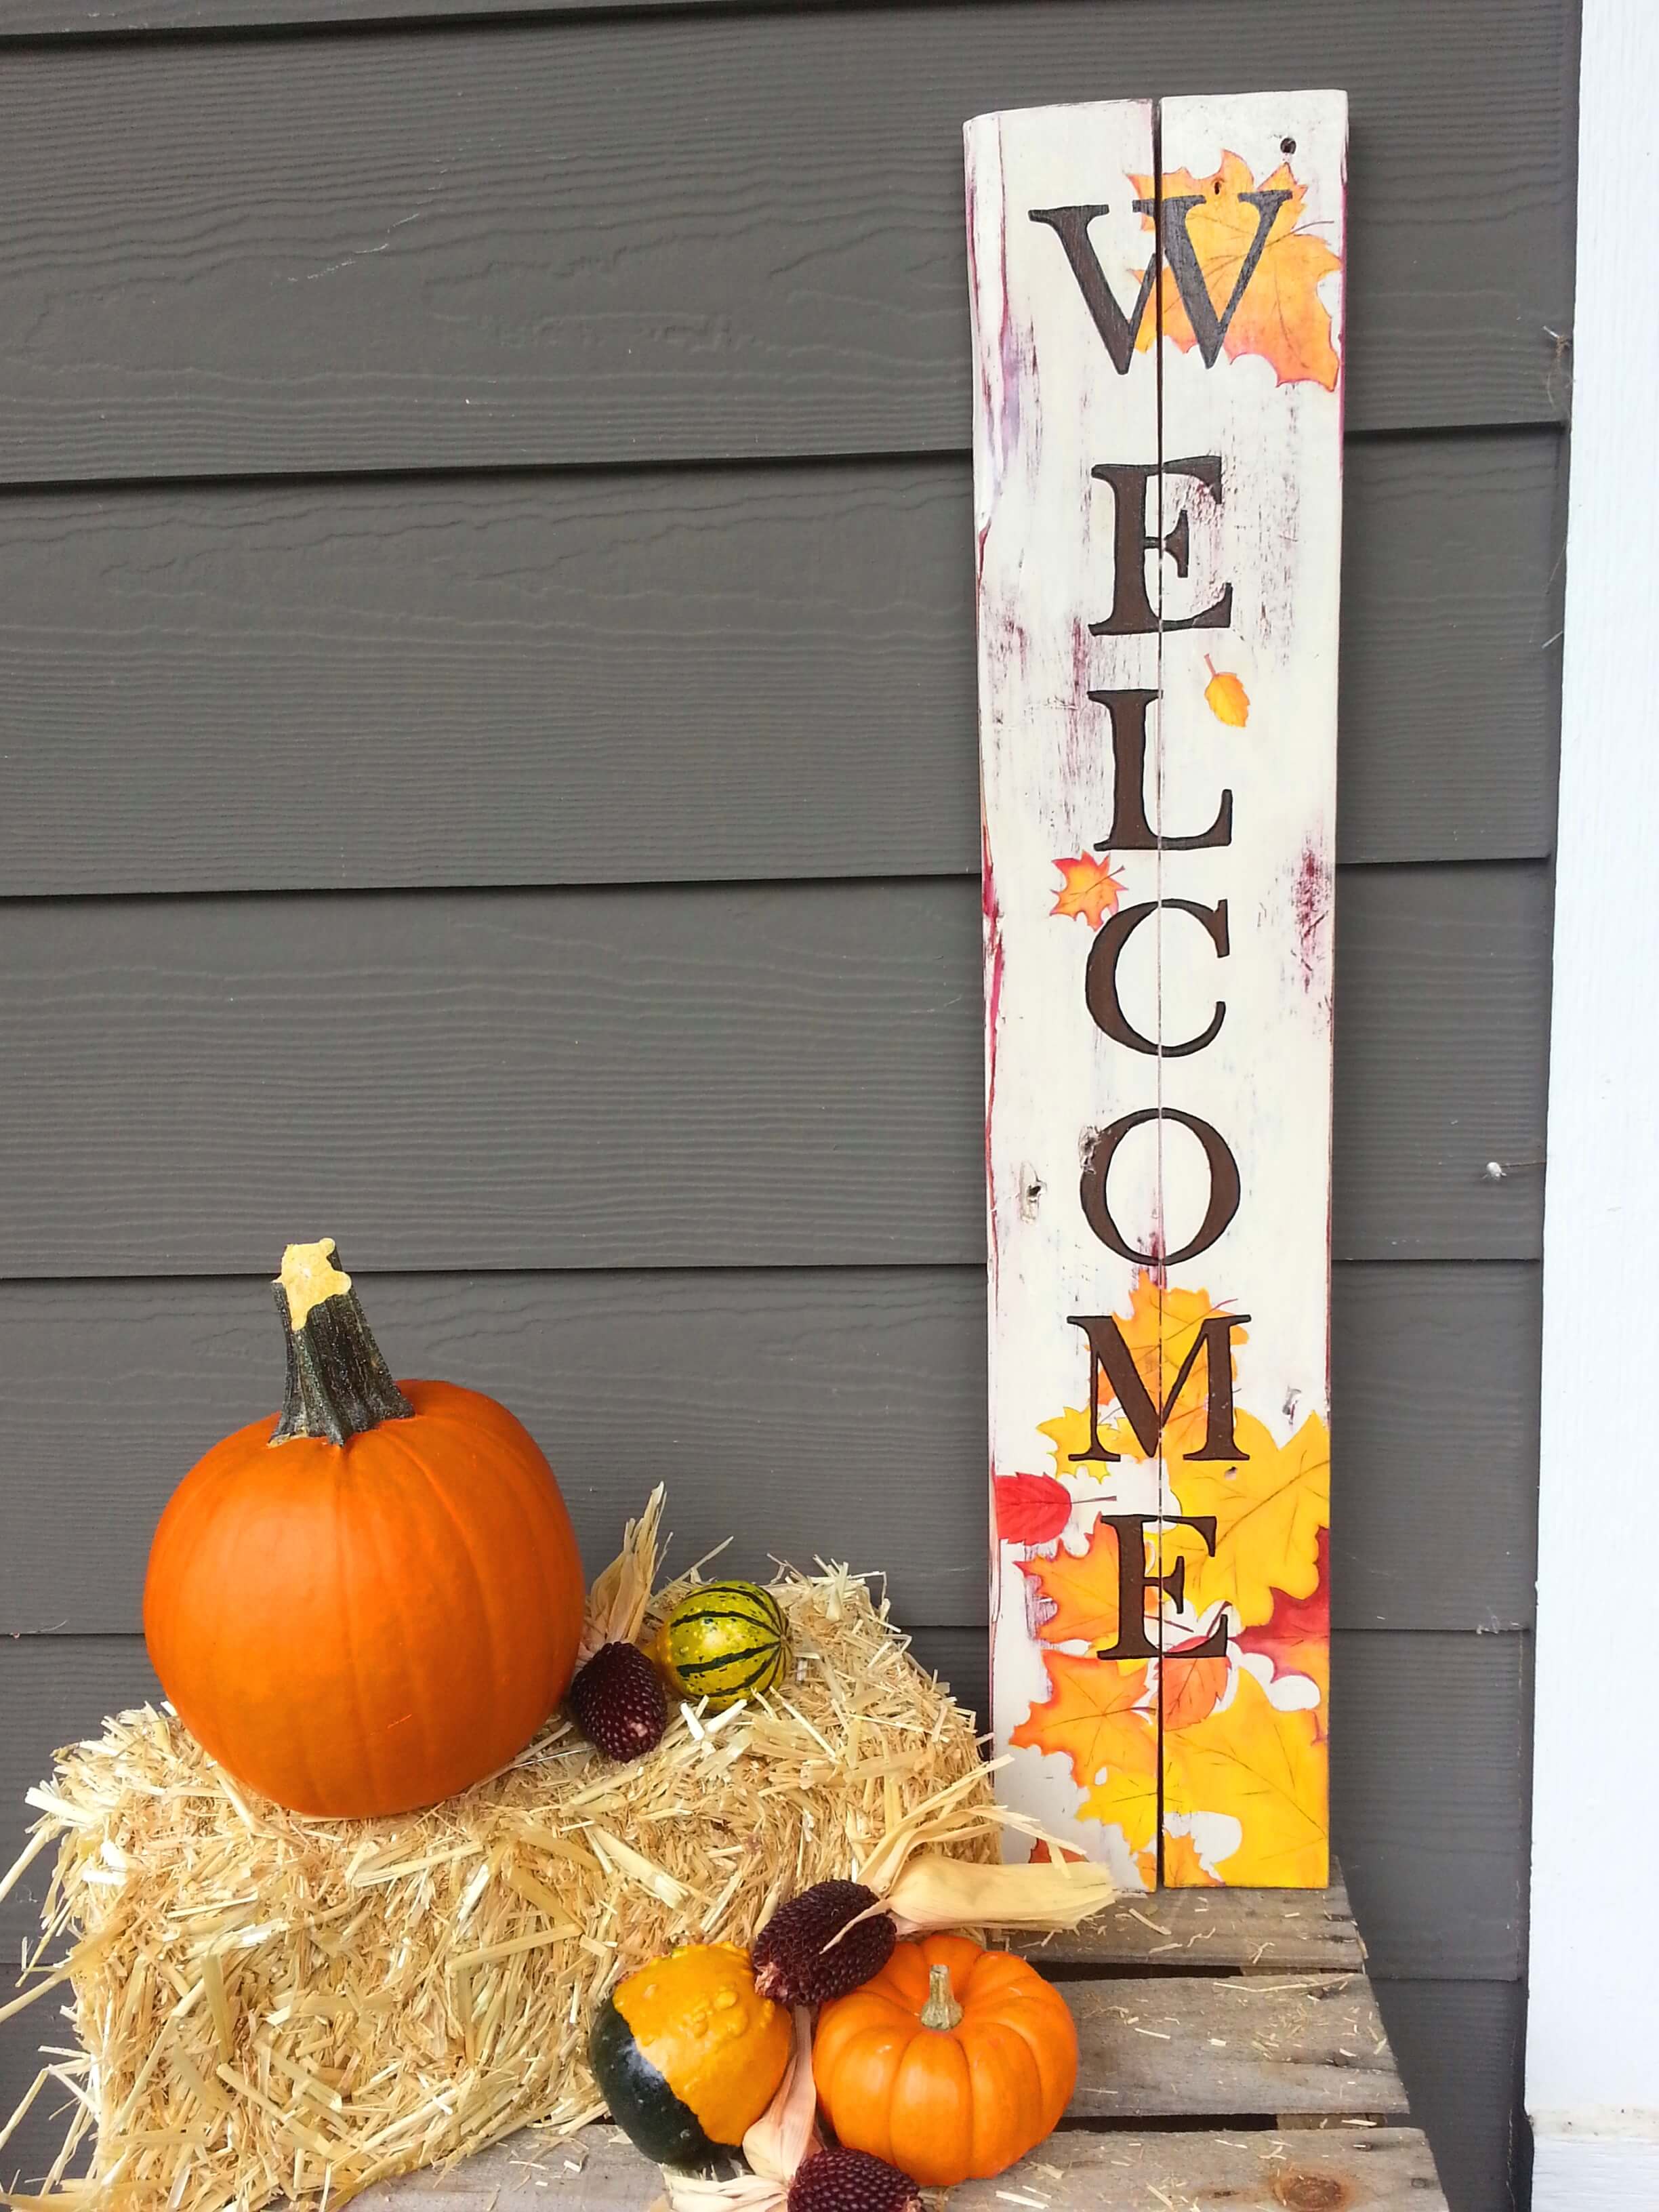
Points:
(941, 2010)
(337, 1384)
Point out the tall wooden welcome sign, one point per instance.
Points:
(1157, 332)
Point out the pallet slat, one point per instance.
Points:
(584, 239)
(1384, 2170)
(1180, 1931)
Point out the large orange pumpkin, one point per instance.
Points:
(372, 1600)
(952, 2063)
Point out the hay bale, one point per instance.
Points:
(270, 2006)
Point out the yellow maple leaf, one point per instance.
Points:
(1182, 1867)
(1225, 696)
(1269, 1508)
(1083, 1587)
(1281, 316)
(1127, 1799)
(1091, 889)
(1266, 1768)
(1068, 1432)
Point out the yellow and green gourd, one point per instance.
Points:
(687, 2054)
(723, 1641)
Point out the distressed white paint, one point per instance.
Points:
(1048, 406)
(1593, 2029)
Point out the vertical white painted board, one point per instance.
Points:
(1592, 2010)
(1159, 521)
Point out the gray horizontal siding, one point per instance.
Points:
(1460, 2046)
(679, 675)
(804, 1412)
(682, 236)
(776, 1075)
(1426, 1779)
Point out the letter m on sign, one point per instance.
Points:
(1156, 295)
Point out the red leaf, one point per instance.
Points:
(1032, 1509)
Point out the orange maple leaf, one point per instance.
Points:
(1297, 1636)
(1281, 316)
(1081, 1587)
(1191, 1689)
(1182, 1867)
(1096, 1718)
(1090, 890)
(1040, 1855)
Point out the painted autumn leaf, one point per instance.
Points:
(1182, 1867)
(1281, 317)
(1095, 1717)
(1297, 1636)
(1160, 1329)
(1269, 1509)
(1091, 889)
(1225, 696)
(1081, 1587)
(1266, 1768)
(1127, 1799)
(1068, 1432)
(1040, 1855)
(1032, 1509)
(1191, 1689)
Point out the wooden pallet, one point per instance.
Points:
(1233, 2060)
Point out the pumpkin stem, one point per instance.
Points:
(941, 2010)
(337, 1384)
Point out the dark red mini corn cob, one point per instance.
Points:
(618, 1702)
(852, 2181)
(796, 1958)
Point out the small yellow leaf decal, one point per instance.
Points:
(1225, 696)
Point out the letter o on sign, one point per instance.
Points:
(1224, 1186)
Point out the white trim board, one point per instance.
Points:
(1593, 2029)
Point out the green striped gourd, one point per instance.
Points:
(723, 1641)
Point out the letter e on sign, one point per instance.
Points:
(1156, 290)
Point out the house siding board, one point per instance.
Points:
(485, 536)
(762, 671)
(614, 239)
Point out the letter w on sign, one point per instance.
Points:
(1157, 336)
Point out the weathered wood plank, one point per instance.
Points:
(1428, 1790)
(1185, 1930)
(244, 688)
(707, 234)
(776, 1075)
(1114, 696)
(108, 1391)
(1077, 2170)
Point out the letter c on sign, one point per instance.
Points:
(1100, 978)
(1224, 1186)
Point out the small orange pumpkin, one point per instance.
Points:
(952, 2063)
(372, 1600)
